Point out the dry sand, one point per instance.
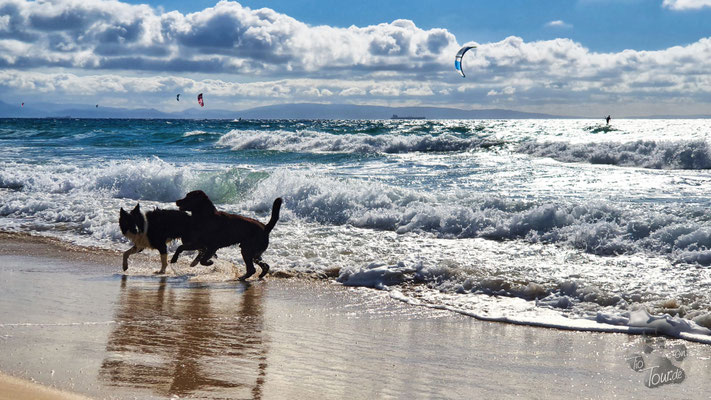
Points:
(70, 320)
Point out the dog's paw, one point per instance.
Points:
(125, 266)
(206, 262)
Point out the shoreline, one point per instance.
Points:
(553, 321)
(72, 320)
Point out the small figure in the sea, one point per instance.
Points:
(608, 120)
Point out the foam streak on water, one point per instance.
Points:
(567, 222)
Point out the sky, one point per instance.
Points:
(564, 57)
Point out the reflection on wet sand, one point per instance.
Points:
(176, 339)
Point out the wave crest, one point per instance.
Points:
(693, 154)
(602, 229)
(314, 141)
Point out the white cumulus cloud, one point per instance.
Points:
(686, 4)
(226, 38)
(239, 56)
(558, 24)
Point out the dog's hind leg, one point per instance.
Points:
(263, 265)
(163, 250)
(132, 250)
(248, 257)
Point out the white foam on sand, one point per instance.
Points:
(516, 305)
(521, 312)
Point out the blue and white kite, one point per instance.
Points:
(458, 58)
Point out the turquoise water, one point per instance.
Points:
(573, 218)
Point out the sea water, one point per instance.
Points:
(564, 223)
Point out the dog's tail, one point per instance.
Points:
(275, 215)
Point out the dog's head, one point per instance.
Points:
(132, 222)
(196, 202)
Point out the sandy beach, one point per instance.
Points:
(70, 320)
(14, 388)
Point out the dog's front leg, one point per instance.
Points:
(204, 257)
(207, 254)
(132, 250)
(183, 247)
(177, 254)
(196, 260)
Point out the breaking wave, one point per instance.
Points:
(314, 141)
(684, 235)
(601, 229)
(644, 154)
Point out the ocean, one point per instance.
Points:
(563, 223)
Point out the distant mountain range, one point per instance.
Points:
(349, 111)
(278, 111)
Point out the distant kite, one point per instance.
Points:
(23, 104)
(458, 59)
(200, 100)
(177, 97)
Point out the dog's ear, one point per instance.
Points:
(137, 209)
(123, 212)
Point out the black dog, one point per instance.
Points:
(216, 229)
(153, 230)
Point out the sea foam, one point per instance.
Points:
(597, 228)
(693, 154)
(315, 141)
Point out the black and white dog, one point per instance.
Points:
(153, 230)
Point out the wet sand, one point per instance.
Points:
(12, 388)
(71, 320)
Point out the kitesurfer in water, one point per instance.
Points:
(608, 120)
